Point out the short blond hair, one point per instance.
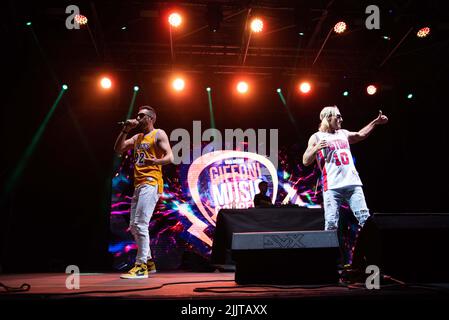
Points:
(324, 115)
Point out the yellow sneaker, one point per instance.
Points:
(139, 271)
(151, 266)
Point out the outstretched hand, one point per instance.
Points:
(381, 119)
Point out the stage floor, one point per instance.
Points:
(215, 295)
(198, 286)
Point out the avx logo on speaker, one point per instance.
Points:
(283, 241)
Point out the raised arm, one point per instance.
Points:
(313, 147)
(122, 144)
(362, 134)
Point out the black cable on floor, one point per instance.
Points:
(77, 293)
(24, 287)
(236, 289)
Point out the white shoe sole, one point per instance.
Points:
(133, 277)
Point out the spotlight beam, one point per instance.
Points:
(117, 158)
(211, 110)
(98, 30)
(131, 105)
(93, 40)
(171, 46)
(244, 33)
(396, 47)
(281, 96)
(319, 24)
(247, 47)
(322, 46)
(17, 172)
(292, 119)
(57, 82)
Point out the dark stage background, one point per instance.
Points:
(56, 213)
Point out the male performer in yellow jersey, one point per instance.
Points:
(151, 151)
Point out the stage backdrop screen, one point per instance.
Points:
(184, 219)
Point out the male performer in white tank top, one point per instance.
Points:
(341, 181)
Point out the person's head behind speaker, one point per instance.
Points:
(261, 200)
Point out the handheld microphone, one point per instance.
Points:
(122, 123)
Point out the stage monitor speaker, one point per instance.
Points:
(290, 257)
(408, 247)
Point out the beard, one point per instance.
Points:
(143, 127)
(140, 127)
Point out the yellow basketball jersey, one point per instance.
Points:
(145, 146)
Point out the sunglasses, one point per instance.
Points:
(141, 115)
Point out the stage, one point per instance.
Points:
(201, 286)
(149, 131)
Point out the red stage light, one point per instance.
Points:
(371, 89)
(257, 25)
(340, 27)
(305, 87)
(178, 84)
(423, 32)
(175, 19)
(242, 87)
(105, 83)
(80, 19)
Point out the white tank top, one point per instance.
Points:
(335, 161)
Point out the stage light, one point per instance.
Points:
(281, 96)
(423, 32)
(105, 83)
(340, 27)
(305, 87)
(28, 23)
(136, 88)
(65, 87)
(175, 19)
(256, 25)
(345, 93)
(410, 95)
(242, 87)
(302, 17)
(123, 28)
(371, 89)
(178, 84)
(211, 110)
(386, 38)
(80, 19)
